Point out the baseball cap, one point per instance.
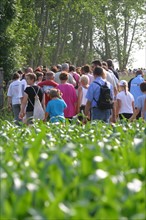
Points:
(123, 83)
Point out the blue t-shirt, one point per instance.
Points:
(94, 91)
(135, 87)
(55, 109)
(140, 104)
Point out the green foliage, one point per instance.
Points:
(35, 32)
(50, 171)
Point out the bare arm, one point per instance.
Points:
(46, 116)
(118, 106)
(80, 95)
(23, 105)
(9, 102)
(87, 108)
(43, 102)
(136, 112)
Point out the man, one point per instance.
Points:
(65, 68)
(135, 87)
(110, 77)
(48, 84)
(111, 67)
(93, 96)
(15, 94)
(95, 63)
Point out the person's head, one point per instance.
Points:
(143, 86)
(65, 67)
(98, 71)
(86, 69)
(54, 93)
(110, 63)
(84, 79)
(139, 72)
(104, 65)
(28, 70)
(39, 76)
(15, 76)
(63, 76)
(78, 70)
(49, 75)
(30, 78)
(54, 69)
(59, 67)
(38, 69)
(95, 63)
(72, 68)
(82, 71)
(123, 86)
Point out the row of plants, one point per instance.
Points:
(55, 171)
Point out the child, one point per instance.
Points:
(55, 107)
(82, 91)
(125, 101)
(141, 103)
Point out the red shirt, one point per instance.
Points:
(46, 86)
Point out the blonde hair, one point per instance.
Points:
(125, 86)
(84, 79)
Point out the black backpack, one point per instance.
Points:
(105, 100)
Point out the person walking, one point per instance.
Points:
(27, 105)
(125, 101)
(93, 95)
(15, 95)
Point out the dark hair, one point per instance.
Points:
(143, 86)
(110, 63)
(20, 72)
(54, 69)
(97, 62)
(63, 76)
(139, 72)
(15, 76)
(86, 68)
(104, 63)
(98, 71)
(72, 68)
(38, 74)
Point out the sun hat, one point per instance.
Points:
(123, 83)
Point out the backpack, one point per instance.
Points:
(105, 100)
(38, 111)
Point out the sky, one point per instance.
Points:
(140, 59)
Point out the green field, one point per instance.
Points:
(96, 171)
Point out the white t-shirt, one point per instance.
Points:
(84, 99)
(24, 84)
(126, 102)
(15, 92)
(111, 78)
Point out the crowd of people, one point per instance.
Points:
(66, 91)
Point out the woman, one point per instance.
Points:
(68, 94)
(125, 101)
(27, 105)
(82, 91)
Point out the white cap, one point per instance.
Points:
(123, 83)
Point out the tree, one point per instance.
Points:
(122, 28)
